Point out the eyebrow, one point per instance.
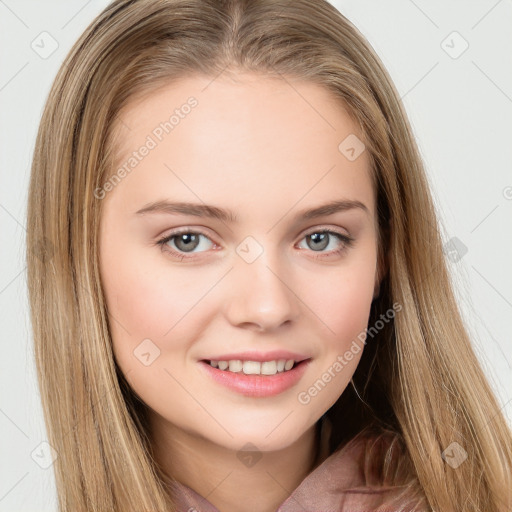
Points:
(228, 216)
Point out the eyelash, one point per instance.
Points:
(347, 242)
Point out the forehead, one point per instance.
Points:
(247, 138)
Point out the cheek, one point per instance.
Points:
(145, 301)
(153, 324)
(341, 299)
(145, 292)
(342, 303)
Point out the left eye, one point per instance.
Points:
(320, 240)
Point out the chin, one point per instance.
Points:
(261, 437)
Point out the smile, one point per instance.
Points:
(254, 378)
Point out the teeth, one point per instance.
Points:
(269, 368)
(251, 367)
(254, 367)
(235, 366)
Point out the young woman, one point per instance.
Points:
(237, 285)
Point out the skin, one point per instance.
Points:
(265, 148)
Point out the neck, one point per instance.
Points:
(222, 475)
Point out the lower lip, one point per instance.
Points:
(257, 385)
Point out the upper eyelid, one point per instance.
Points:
(324, 228)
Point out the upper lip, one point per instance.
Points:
(252, 355)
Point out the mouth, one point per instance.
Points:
(256, 378)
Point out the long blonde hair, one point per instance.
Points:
(419, 378)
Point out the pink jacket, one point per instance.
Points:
(338, 484)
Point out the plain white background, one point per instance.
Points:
(451, 64)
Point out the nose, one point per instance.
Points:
(261, 296)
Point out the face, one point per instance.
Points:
(251, 279)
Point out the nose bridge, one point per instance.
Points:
(260, 291)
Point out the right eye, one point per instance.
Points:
(183, 242)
